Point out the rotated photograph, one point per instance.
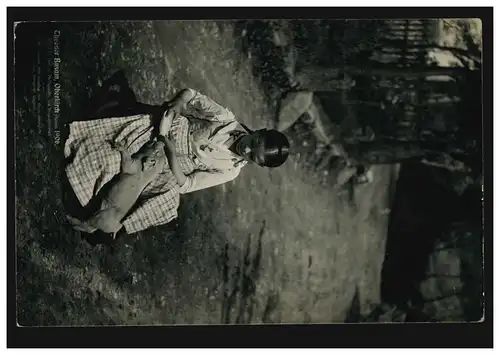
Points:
(248, 172)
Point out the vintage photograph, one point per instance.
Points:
(248, 171)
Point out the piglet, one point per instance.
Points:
(136, 172)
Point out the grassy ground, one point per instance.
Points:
(271, 246)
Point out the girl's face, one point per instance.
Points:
(251, 147)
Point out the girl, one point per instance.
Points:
(205, 147)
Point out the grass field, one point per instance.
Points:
(272, 246)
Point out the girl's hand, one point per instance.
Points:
(166, 122)
(173, 162)
(173, 106)
(171, 110)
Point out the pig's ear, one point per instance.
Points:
(148, 163)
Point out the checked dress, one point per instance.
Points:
(202, 135)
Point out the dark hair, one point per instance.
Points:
(276, 148)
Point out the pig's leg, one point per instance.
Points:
(147, 158)
(81, 225)
(107, 220)
(148, 163)
(127, 165)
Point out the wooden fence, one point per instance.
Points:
(405, 44)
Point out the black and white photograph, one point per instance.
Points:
(248, 171)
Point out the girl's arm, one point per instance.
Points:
(199, 180)
(173, 162)
(196, 105)
(181, 99)
(203, 107)
(172, 109)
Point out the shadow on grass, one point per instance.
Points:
(239, 283)
(46, 245)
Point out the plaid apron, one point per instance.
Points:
(93, 163)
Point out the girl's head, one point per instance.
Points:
(264, 147)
